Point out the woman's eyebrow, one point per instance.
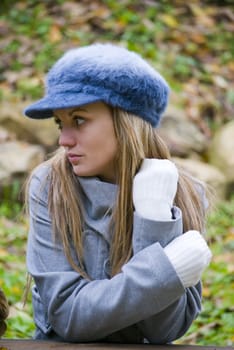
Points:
(72, 111)
(77, 110)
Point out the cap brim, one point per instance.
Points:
(44, 108)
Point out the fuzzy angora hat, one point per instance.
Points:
(103, 72)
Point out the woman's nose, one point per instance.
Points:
(67, 137)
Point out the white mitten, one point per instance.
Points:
(189, 254)
(154, 189)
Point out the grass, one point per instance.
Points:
(215, 325)
(13, 235)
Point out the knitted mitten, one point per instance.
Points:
(189, 255)
(154, 189)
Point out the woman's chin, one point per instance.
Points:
(81, 172)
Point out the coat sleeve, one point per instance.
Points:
(79, 310)
(175, 319)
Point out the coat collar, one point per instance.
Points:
(98, 201)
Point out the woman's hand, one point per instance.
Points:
(154, 189)
(189, 255)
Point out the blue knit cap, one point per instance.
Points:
(103, 72)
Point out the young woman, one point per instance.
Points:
(113, 248)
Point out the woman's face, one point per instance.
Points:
(87, 134)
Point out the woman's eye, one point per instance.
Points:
(79, 120)
(76, 121)
(58, 123)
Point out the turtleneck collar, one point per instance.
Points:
(99, 196)
(98, 201)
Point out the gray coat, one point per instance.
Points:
(145, 302)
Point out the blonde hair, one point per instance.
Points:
(136, 140)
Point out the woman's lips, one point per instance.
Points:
(74, 158)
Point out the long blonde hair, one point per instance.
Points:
(136, 140)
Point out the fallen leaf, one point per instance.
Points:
(220, 81)
(55, 34)
(170, 21)
(3, 253)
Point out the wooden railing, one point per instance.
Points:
(6, 344)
